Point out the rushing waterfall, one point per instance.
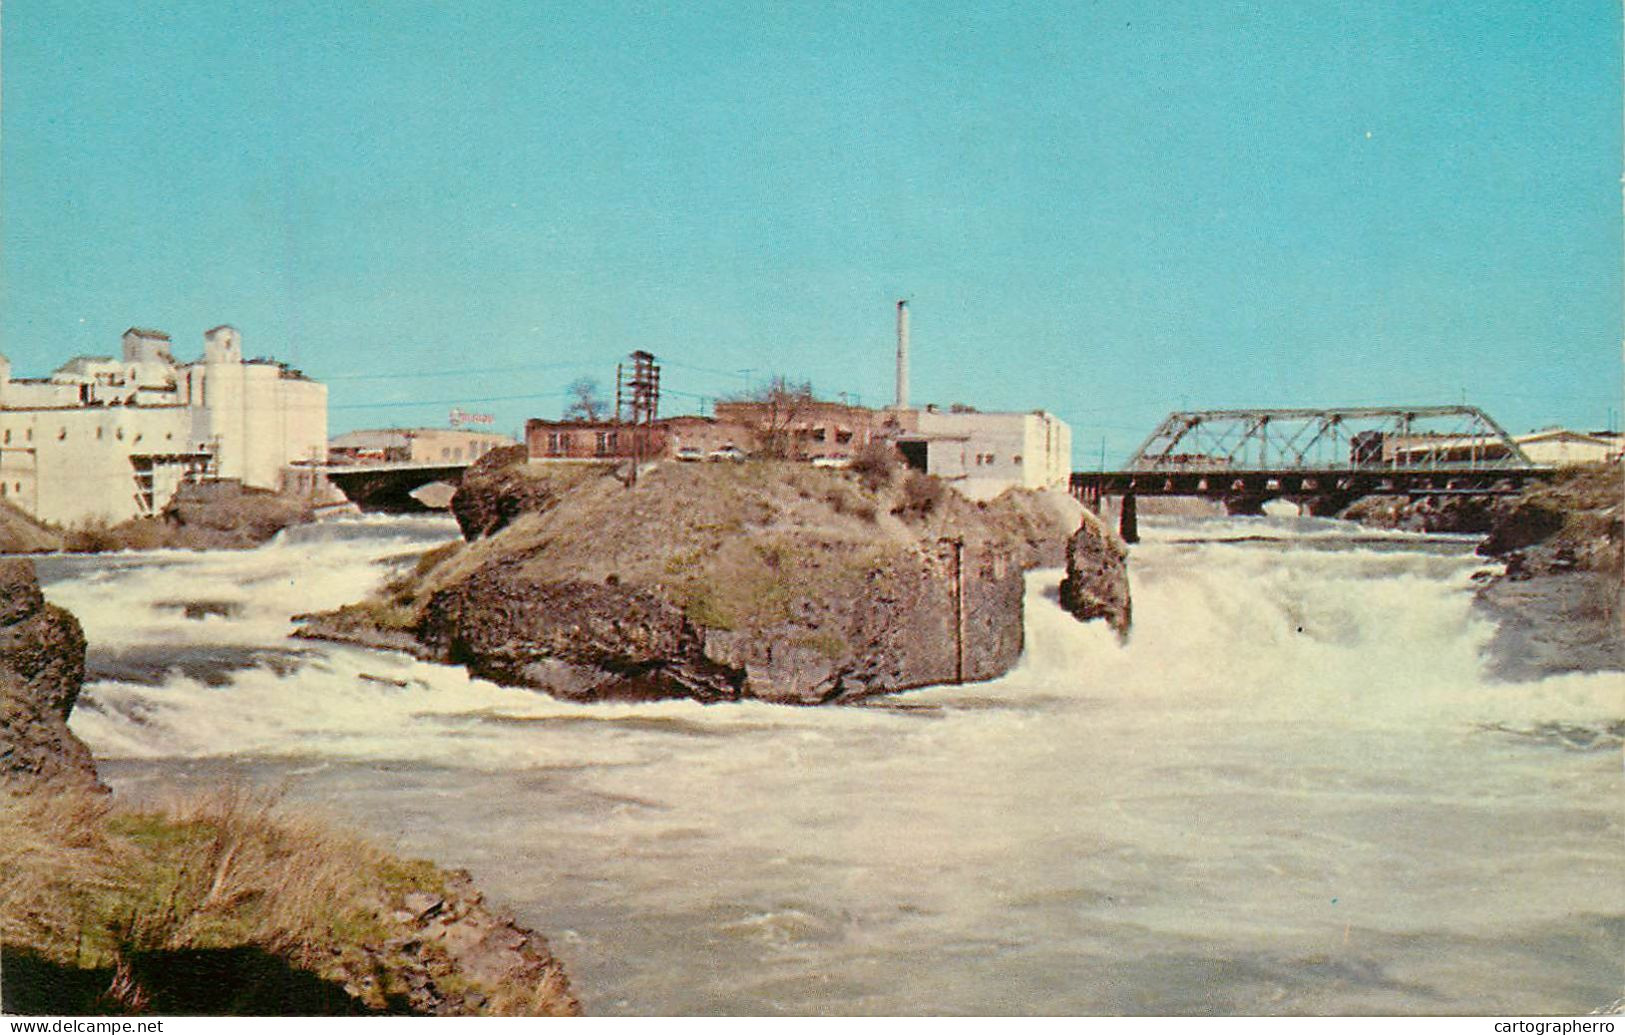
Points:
(1293, 790)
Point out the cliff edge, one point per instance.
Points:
(767, 580)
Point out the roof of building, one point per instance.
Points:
(144, 332)
(1563, 433)
(222, 327)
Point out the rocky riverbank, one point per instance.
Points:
(1559, 606)
(221, 905)
(203, 516)
(773, 581)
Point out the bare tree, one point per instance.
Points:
(784, 404)
(585, 402)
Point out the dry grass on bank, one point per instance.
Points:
(94, 898)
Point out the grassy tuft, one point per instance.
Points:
(93, 893)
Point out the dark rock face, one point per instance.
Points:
(578, 640)
(932, 617)
(1526, 524)
(1468, 515)
(477, 945)
(944, 615)
(42, 667)
(1096, 583)
(490, 495)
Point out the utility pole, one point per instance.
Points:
(640, 394)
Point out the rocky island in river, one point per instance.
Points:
(768, 580)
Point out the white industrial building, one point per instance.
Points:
(1562, 447)
(982, 454)
(104, 439)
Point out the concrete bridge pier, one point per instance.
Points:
(1128, 519)
(1245, 506)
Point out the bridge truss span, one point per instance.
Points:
(1437, 438)
(1324, 459)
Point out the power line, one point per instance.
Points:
(448, 402)
(448, 373)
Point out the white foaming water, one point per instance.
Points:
(1291, 790)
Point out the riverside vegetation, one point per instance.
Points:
(220, 905)
(720, 581)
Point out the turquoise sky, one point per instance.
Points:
(1108, 210)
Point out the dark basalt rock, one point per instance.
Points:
(42, 668)
(1096, 583)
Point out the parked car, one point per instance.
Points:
(728, 452)
(691, 453)
(832, 460)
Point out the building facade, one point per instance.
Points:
(105, 439)
(414, 446)
(666, 438)
(983, 454)
(1563, 447)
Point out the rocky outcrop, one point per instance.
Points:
(42, 667)
(1096, 583)
(1559, 605)
(1468, 515)
(934, 615)
(1573, 522)
(458, 958)
(772, 581)
(219, 515)
(495, 490)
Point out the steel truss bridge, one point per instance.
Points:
(1324, 459)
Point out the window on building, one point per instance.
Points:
(61, 434)
(8, 436)
(1016, 459)
(119, 434)
(99, 430)
(843, 437)
(558, 442)
(607, 442)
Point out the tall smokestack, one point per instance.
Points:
(902, 354)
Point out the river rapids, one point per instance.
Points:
(1292, 791)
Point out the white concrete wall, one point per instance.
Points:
(72, 466)
(995, 451)
(1562, 452)
(304, 407)
(69, 461)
